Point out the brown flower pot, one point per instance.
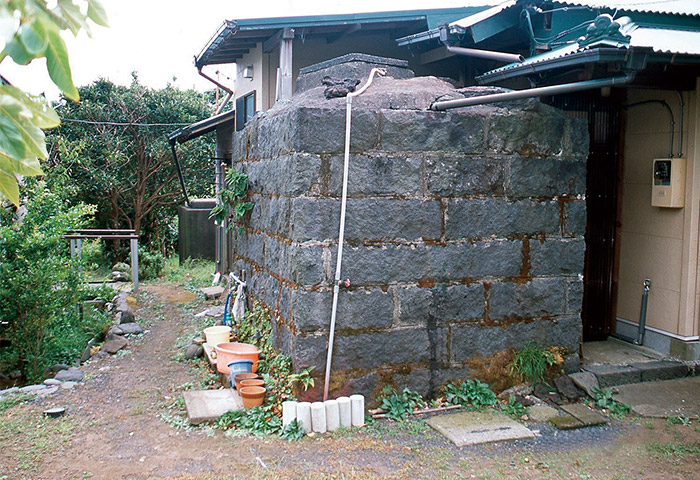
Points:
(251, 382)
(252, 396)
(244, 376)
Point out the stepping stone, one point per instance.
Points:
(474, 428)
(541, 413)
(584, 414)
(208, 405)
(566, 422)
(212, 292)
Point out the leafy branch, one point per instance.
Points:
(232, 206)
(37, 34)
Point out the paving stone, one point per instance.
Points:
(586, 381)
(212, 292)
(610, 375)
(666, 398)
(474, 428)
(586, 415)
(541, 413)
(566, 422)
(208, 405)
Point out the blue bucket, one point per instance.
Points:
(239, 366)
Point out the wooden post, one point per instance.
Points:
(285, 72)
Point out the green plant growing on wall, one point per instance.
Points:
(531, 363)
(232, 205)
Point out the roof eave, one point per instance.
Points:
(200, 128)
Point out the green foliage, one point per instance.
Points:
(531, 363)
(472, 393)
(233, 206)
(12, 400)
(604, 399)
(258, 421)
(400, 406)
(122, 162)
(40, 287)
(678, 420)
(23, 116)
(151, 264)
(675, 449)
(513, 408)
(293, 431)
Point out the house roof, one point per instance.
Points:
(235, 38)
(202, 127)
(670, 7)
(603, 44)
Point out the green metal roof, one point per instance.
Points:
(235, 38)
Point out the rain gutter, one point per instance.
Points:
(533, 92)
(487, 54)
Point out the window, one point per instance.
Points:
(245, 110)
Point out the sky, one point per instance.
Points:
(159, 39)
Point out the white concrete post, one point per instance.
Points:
(134, 243)
(358, 410)
(318, 417)
(345, 411)
(289, 412)
(332, 415)
(304, 415)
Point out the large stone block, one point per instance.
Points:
(481, 340)
(316, 130)
(371, 350)
(393, 219)
(575, 218)
(557, 256)
(358, 309)
(546, 177)
(385, 264)
(270, 215)
(306, 265)
(537, 298)
(429, 131)
(574, 296)
(377, 175)
(246, 143)
(526, 133)
(443, 303)
(288, 175)
(498, 217)
(314, 218)
(455, 176)
(487, 258)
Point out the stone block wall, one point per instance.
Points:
(464, 231)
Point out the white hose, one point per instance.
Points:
(341, 234)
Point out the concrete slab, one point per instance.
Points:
(212, 292)
(473, 428)
(584, 414)
(609, 375)
(665, 398)
(541, 413)
(661, 370)
(208, 405)
(616, 351)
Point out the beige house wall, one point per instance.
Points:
(659, 243)
(243, 86)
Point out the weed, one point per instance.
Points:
(676, 450)
(400, 406)
(11, 400)
(513, 408)
(293, 431)
(678, 420)
(258, 421)
(649, 425)
(604, 399)
(471, 393)
(531, 362)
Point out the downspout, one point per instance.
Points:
(341, 233)
(680, 124)
(532, 92)
(487, 54)
(218, 84)
(179, 171)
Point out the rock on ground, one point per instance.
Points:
(125, 316)
(194, 351)
(586, 381)
(113, 346)
(129, 328)
(73, 374)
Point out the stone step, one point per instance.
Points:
(610, 375)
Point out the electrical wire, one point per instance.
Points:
(125, 124)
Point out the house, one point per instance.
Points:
(501, 224)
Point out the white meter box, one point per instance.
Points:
(668, 183)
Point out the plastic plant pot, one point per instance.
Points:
(231, 351)
(252, 396)
(237, 367)
(217, 334)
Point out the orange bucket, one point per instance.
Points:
(231, 351)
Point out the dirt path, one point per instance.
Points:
(114, 430)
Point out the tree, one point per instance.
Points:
(112, 148)
(23, 116)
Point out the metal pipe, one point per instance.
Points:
(227, 98)
(680, 124)
(532, 92)
(672, 122)
(487, 54)
(215, 82)
(179, 172)
(341, 233)
(643, 312)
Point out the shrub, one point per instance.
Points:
(40, 286)
(472, 393)
(151, 264)
(400, 406)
